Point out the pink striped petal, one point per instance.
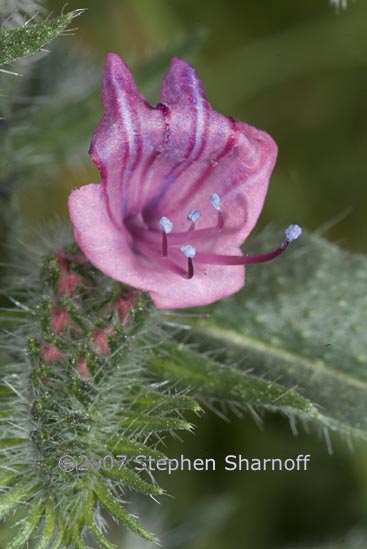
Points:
(122, 139)
(207, 153)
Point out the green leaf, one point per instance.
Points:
(146, 424)
(210, 381)
(114, 507)
(98, 536)
(8, 477)
(61, 535)
(93, 528)
(133, 449)
(298, 323)
(26, 40)
(13, 497)
(30, 523)
(132, 481)
(78, 543)
(11, 442)
(49, 528)
(162, 404)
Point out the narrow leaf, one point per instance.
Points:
(132, 449)
(48, 529)
(114, 507)
(11, 442)
(133, 481)
(98, 536)
(26, 40)
(148, 424)
(210, 380)
(7, 478)
(13, 497)
(163, 404)
(30, 523)
(93, 528)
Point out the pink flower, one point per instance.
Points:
(182, 188)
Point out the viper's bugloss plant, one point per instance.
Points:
(92, 367)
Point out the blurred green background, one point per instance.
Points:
(297, 70)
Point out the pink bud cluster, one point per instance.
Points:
(62, 323)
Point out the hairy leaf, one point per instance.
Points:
(110, 503)
(48, 530)
(26, 40)
(212, 382)
(30, 523)
(300, 323)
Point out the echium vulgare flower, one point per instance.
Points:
(182, 188)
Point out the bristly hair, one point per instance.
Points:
(75, 382)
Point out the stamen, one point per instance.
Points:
(292, 233)
(167, 227)
(193, 216)
(215, 203)
(189, 252)
(166, 224)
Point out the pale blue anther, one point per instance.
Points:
(194, 216)
(215, 201)
(188, 251)
(166, 224)
(293, 232)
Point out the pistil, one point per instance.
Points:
(292, 233)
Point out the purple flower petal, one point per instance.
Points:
(207, 153)
(119, 144)
(163, 163)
